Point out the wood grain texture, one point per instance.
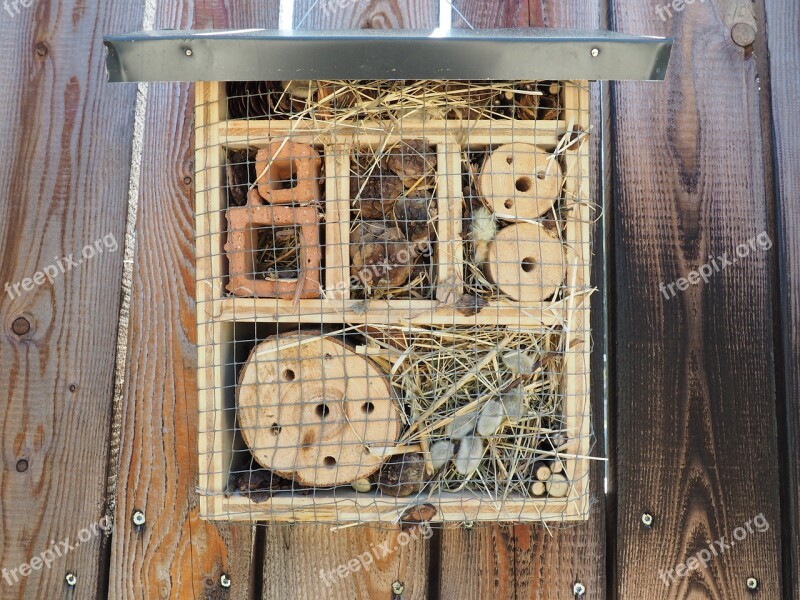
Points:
(301, 562)
(695, 395)
(366, 14)
(176, 554)
(294, 556)
(783, 29)
(531, 561)
(65, 138)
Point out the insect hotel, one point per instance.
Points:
(393, 258)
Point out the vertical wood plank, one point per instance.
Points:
(694, 384)
(65, 139)
(293, 557)
(783, 30)
(533, 561)
(176, 554)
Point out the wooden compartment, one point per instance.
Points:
(220, 313)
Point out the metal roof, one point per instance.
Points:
(261, 54)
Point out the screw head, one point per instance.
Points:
(469, 524)
(71, 579)
(225, 581)
(22, 465)
(595, 52)
(398, 588)
(578, 589)
(647, 519)
(21, 326)
(188, 52)
(752, 583)
(138, 518)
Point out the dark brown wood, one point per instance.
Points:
(65, 138)
(532, 561)
(176, 554)
(783, 29)
(694, 387)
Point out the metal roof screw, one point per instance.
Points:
(578, 589)
(138, 518)
(188, 52)
(647, 519)
(469, 524)
(71, 579)
(225, 581)
(398, 588)
(595, 52)
(752, 583)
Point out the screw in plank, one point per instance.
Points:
(578, 589)
(188, 52)
(138, 518)
(647, 519)
(595, 52)
(71, 579)
(752, 583)
(21, 326)
(398, 588)
(225, 581)
(469, 524)
(22, 465)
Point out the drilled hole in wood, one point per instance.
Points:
(528, 264)
(367, 407)
(508, 203)
(288, 375)
(523, 184)
(329, 462)
(276, 429)
(322, 410)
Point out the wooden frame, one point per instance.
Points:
(218, 312)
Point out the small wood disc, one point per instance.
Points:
(520, 181)
(309, 408)
(526, 262)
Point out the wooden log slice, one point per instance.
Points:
(526, 262)
(520, 181)
(309, 407)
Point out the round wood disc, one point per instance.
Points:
(526, 262)
(520, 181)
(309, 407)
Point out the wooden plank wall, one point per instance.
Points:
(783, 31)
(695, 398)
(65, 139)
(697, 380)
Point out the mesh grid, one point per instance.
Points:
(393, 294)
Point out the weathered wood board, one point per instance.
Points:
(65, 139)
(695, 412)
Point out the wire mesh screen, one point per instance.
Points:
(392, 295)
